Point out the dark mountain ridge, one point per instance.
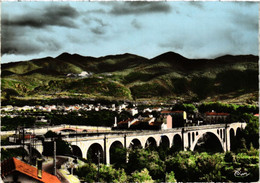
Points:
(111, 63)
(132, 76)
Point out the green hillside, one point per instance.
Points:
(169, 76)
(86, 87)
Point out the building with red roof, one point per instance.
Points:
(214, 117)
(178, 118)
(15, 170)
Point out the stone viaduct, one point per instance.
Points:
(184, 137)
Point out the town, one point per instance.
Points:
(181, 126)
(131, 115)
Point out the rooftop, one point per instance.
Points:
(171, 112)
(216, 114)
(13, 164)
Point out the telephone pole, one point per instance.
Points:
(54, 157)
(23, 145)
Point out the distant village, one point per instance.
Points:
(156, 118)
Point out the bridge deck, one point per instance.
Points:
(123, 133)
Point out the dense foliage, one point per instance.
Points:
(8, 123)
(92, 173)
(62, 147)
(189, 108)
(145, 165)
(169, 165)
(91, 118)
(251, 132)
(9, 153)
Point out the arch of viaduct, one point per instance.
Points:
(189, 137)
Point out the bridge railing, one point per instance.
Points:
(204, 127)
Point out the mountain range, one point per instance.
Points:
(169, 76)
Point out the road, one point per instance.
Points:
(49, 168)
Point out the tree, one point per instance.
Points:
(251, 131)
(50, 134)
(144, 158)
(190, 108)
(141, 176)
(118, 157)
(110, 174)
(87, 173)
(170, 177)
(62, 147)
(90, 173)
(9, 153)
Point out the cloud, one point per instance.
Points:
(244, 20)
(97, 26)
(98, 30)
(23, 41)
(20, 33)
(55, 15)
(226, 40)
(136, 24)
(128, 8)
(99, 21)
(196, 4)
(13, 43)
(247, 4)
(97, 11)
(94, 20)
(19, 43)
(48, 43)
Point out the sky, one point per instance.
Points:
(193, 29)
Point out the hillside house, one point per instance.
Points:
(157, 109)
(145, 124)
(141, 123)
(179, 118)
(124, 124)
(132, 111)
(166, 120)
(214, 117)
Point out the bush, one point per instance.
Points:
(87, 173)
(141, 176)
(90, 173)
(142, 158)
(109, 174)
(170, 177)
(9, 153)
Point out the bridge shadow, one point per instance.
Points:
(164, 142)
(95, 154)
(151, 143)
(177, 143)
(208, 143)
(76, 151)
(135, 144)
(117, 154)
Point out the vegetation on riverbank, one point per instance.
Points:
(145, 165)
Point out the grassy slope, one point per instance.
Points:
(167, 76)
